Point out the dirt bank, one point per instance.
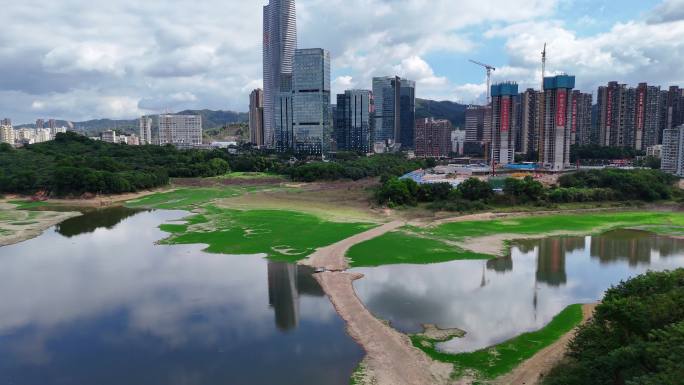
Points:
(391, 359)
(533, 370)
(20, 225)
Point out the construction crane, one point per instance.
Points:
(489, 77)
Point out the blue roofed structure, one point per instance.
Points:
(505, 89)
(560, 81)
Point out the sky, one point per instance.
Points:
(84, 59)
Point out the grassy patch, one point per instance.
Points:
(184, 198)
(500, 359)
(282, 235)
(401, 247)
(250, 176)
(430, 245)
(26, 223)
(28, 205)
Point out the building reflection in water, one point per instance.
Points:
(633, 246)
(286, 282)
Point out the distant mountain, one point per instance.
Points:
(210, 119)
(454, 112)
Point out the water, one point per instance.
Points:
(496, 300)
(94, 301)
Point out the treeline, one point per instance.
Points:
(475, 194)
(636, 336)
(74, 165)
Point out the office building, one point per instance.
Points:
(433, 138)
(555, 136)
(145, 130)
(353, 121)
(279, 45)
(311, 122)
(581, 110)
(504, 122)
(395, 111)
(183, 131)
(256, 117)
(110, 136)
(477, 125)
(673, 151)
(528, 142)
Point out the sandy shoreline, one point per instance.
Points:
(25, 225)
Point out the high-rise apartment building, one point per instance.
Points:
(110, 136)
(555, 137)
(529, 123)
(353, 120)
(312, 120)
(256, 117)
(6, 134)
(433, 138)
(145, 124)
(504, 122)
(647, 118)
(458, 138)
(477, 124)
(6, 122)
(184, 131)
(673, 151)
(672, 111)
(581, 111)
(395, 110)
(279, 45)
(40, 124)
(617, 105)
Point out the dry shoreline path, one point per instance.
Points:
(391, 358)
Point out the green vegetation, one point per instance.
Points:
(435, 244)
(406, 247)
(282, 235)
(355, 168)
(636, 336)
(184, 198)
(600, 153)
(500, 359)
(606, 185)
(28, 205)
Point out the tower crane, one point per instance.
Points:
(489, 69)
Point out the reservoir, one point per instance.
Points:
(95, 300)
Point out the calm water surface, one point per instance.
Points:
(95, 302)
(499, 299)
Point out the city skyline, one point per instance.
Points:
(85, 67)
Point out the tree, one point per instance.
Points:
(474, 189)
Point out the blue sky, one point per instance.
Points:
(124, 58)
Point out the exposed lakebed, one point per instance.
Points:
(95, 300)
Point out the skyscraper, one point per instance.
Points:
(673, 108)
(503, 122)
(673, 151)
(581, 118)
(433, 138)
(6, 122)
(477, 122)
(183, 131)
(616, 103)
(647, 116)
(145, 130)
(311, 123)
(395, 110)
(256, 117)
(279, 45)
(529, 133)
(555, 138)
(353, 120)
(40, 123)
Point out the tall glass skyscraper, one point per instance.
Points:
(354, 119)
(395, 110)
(311, 123)
(280, 43)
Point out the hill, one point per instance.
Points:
(454, 112)
(210, 119)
